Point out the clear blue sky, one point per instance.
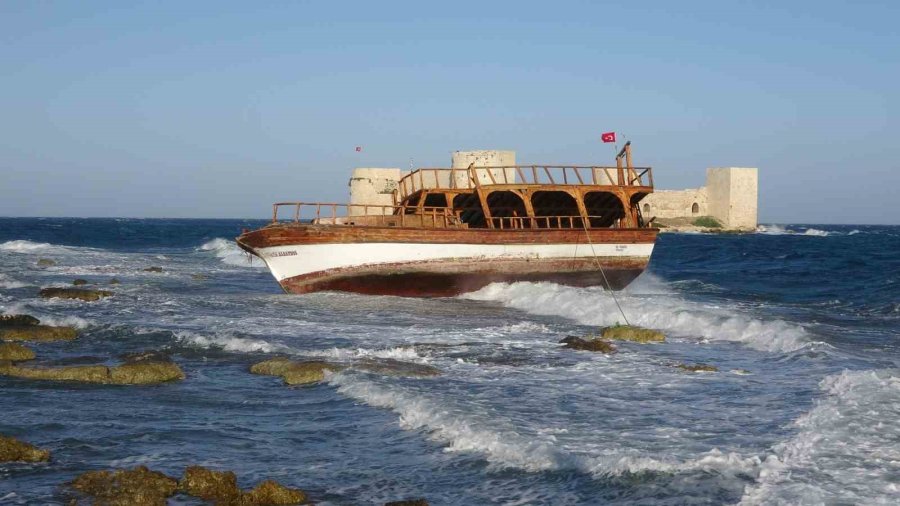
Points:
(217, 109)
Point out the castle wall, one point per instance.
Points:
(485, 158)
(373, 186)
(733, 196)
(675, 203)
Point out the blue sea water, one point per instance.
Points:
(803, 323)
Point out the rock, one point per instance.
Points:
(114, 281)
(18, 320)
(218, 486)
(199, 277)
(139, 486)
(293, 372)
(74, 293)
(630, 333)
(390, 367)
(153, 269)
(408, 502)
(37, 333)
(697, 367)
(593, 344)
(271, 493)
(45, 262)
(15, 352)
(145, 373)
(79, 282)
(13, 450)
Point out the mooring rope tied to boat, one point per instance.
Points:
(602, 273)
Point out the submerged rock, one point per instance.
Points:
(18, 320)
(390, 367)
(272, 493)
(139, 486)
(74, 293)
(145, 373)
(13, 450)
(408, 502)
(46, 262)
(199, 277)
(37, 333)
(15, 352)
(153, 269)
(634, 334)
(698, 367)
(145, 356)
(79, 282)
(218, 486)
(294, 372)
(592, 344)
(114, 281)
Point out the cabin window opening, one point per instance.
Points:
(507, 210)
(435, 200)
(695, 209)
(605, 209)
(555, 209)
(646, 208)
(468, 207)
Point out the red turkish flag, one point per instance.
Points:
(608, 137)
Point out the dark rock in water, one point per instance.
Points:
(390, 367)
(153, 269)
(698, 367)
(294, 372)
(634, 334)
(79, 282)
(15, 352)
(199, 277)
(593, 344)
(145, 373)
(114, 281)
(218, 486)
(145, 356)
(74, 293)
(18, 320)
(13, 450)
(271, 493)
(139, 486)
(45, 262)
(408, 502)
(37, 333)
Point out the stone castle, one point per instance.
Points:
(729, 196)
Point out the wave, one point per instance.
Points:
(228, 343)
(816, 232)
(807, 231)
(508, 448)
(845, 450)
(229, 252)
(46, 319)
(23, 246)
(8, 282)
(348, 354)
(648, 303)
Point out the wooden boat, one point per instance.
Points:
(451, 231)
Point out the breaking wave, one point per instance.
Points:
(649, 304)
(508, 448)
(22, 246)
(228, 252)
(845, 451)
(346, 354)
(808, 231)
(8, 282)
(228, 343)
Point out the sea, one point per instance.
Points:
(801, 321)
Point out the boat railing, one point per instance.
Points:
(321, 213)
(533, 175)
(546, 222)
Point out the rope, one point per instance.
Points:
(600, 267)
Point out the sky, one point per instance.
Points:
(217, 109)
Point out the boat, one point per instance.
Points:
(448, 231)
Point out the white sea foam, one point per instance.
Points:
(853, 232)
(816, 232)
(397, 353)
(22, 246)
(228, 343)
(504, 446)
(8, 282)
(46, 319)
(230, 253)
(845, 451)
(648, 304)
(807, 231)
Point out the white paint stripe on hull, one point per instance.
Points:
(289, 261)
